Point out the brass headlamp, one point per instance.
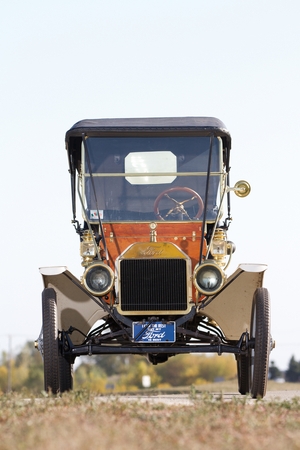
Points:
(98, 279)
(208, 277)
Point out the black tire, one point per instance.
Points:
(260, 333)
(65, 374)
(243, 374)
(50, 341)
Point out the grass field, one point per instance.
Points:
(78, 421)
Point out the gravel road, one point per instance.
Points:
(183, 399)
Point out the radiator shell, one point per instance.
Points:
(153, 279)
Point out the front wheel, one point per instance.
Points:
(261, 336)
(65, 374)
(243, 364)
(58, 370)
(50, 341)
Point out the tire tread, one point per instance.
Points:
(262, 343)
(50, 341)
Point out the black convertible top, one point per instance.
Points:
(155, 126)
(202, 125)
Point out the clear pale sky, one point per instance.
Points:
(63, 61)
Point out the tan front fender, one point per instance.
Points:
(231, 308)
(74, 307)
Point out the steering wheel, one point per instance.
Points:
(178, 208)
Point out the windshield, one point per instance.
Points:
(134, 178)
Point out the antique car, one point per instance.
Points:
(154, 196)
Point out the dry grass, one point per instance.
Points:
(78, 421)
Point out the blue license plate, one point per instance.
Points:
(155, 332)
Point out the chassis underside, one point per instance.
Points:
(194, 334)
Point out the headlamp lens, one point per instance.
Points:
(208, 278)
(99, 279)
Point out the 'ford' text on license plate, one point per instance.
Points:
(155, 332)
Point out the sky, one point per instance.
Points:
(66, 60)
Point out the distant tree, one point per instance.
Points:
(35, 377)
(216, 367)
(29, 370)
(4, 359)
(293, 372)
(3, 379)
(26, 370)
(134, 377)
(90, 376)
(114, 364)
(184, 370)
(274, 372)
(171, 371)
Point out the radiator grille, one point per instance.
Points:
(153, 285)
